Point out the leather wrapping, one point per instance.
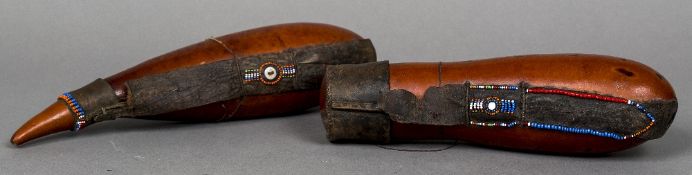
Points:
(97, 99)
(219, 81)
(356, 87)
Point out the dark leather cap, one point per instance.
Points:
(349, 102)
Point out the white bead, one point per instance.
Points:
(270, 73)
(492, 105)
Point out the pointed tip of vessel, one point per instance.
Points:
(15, 140)
(55, 118)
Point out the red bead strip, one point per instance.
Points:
(576, 94)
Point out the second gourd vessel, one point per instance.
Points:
(556, 103)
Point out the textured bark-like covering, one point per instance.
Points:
(244, 44)
(221, 81)
(448, 106)
(599, 115)
(440, 106)
(216, 82)
(184, 88)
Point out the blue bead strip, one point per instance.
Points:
(507, 106)
(575, 130)
(642, 109)
(76, 104)
(76, 108)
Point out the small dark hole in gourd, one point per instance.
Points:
(625, 72)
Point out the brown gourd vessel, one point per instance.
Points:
(286, 60)
(550, 103)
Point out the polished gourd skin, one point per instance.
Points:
(554, 103)
(193, 83)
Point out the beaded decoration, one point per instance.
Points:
(288, 71)
(507, 106)
(477, 105)
(251, 75)
(493, 105)
(76, 109)
(494, 87)
(575, 130)
(269, 73)
(492, 124)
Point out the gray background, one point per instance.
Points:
(47, 47)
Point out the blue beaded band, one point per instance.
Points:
(507, 106)
(76, 109)
(575, 130)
